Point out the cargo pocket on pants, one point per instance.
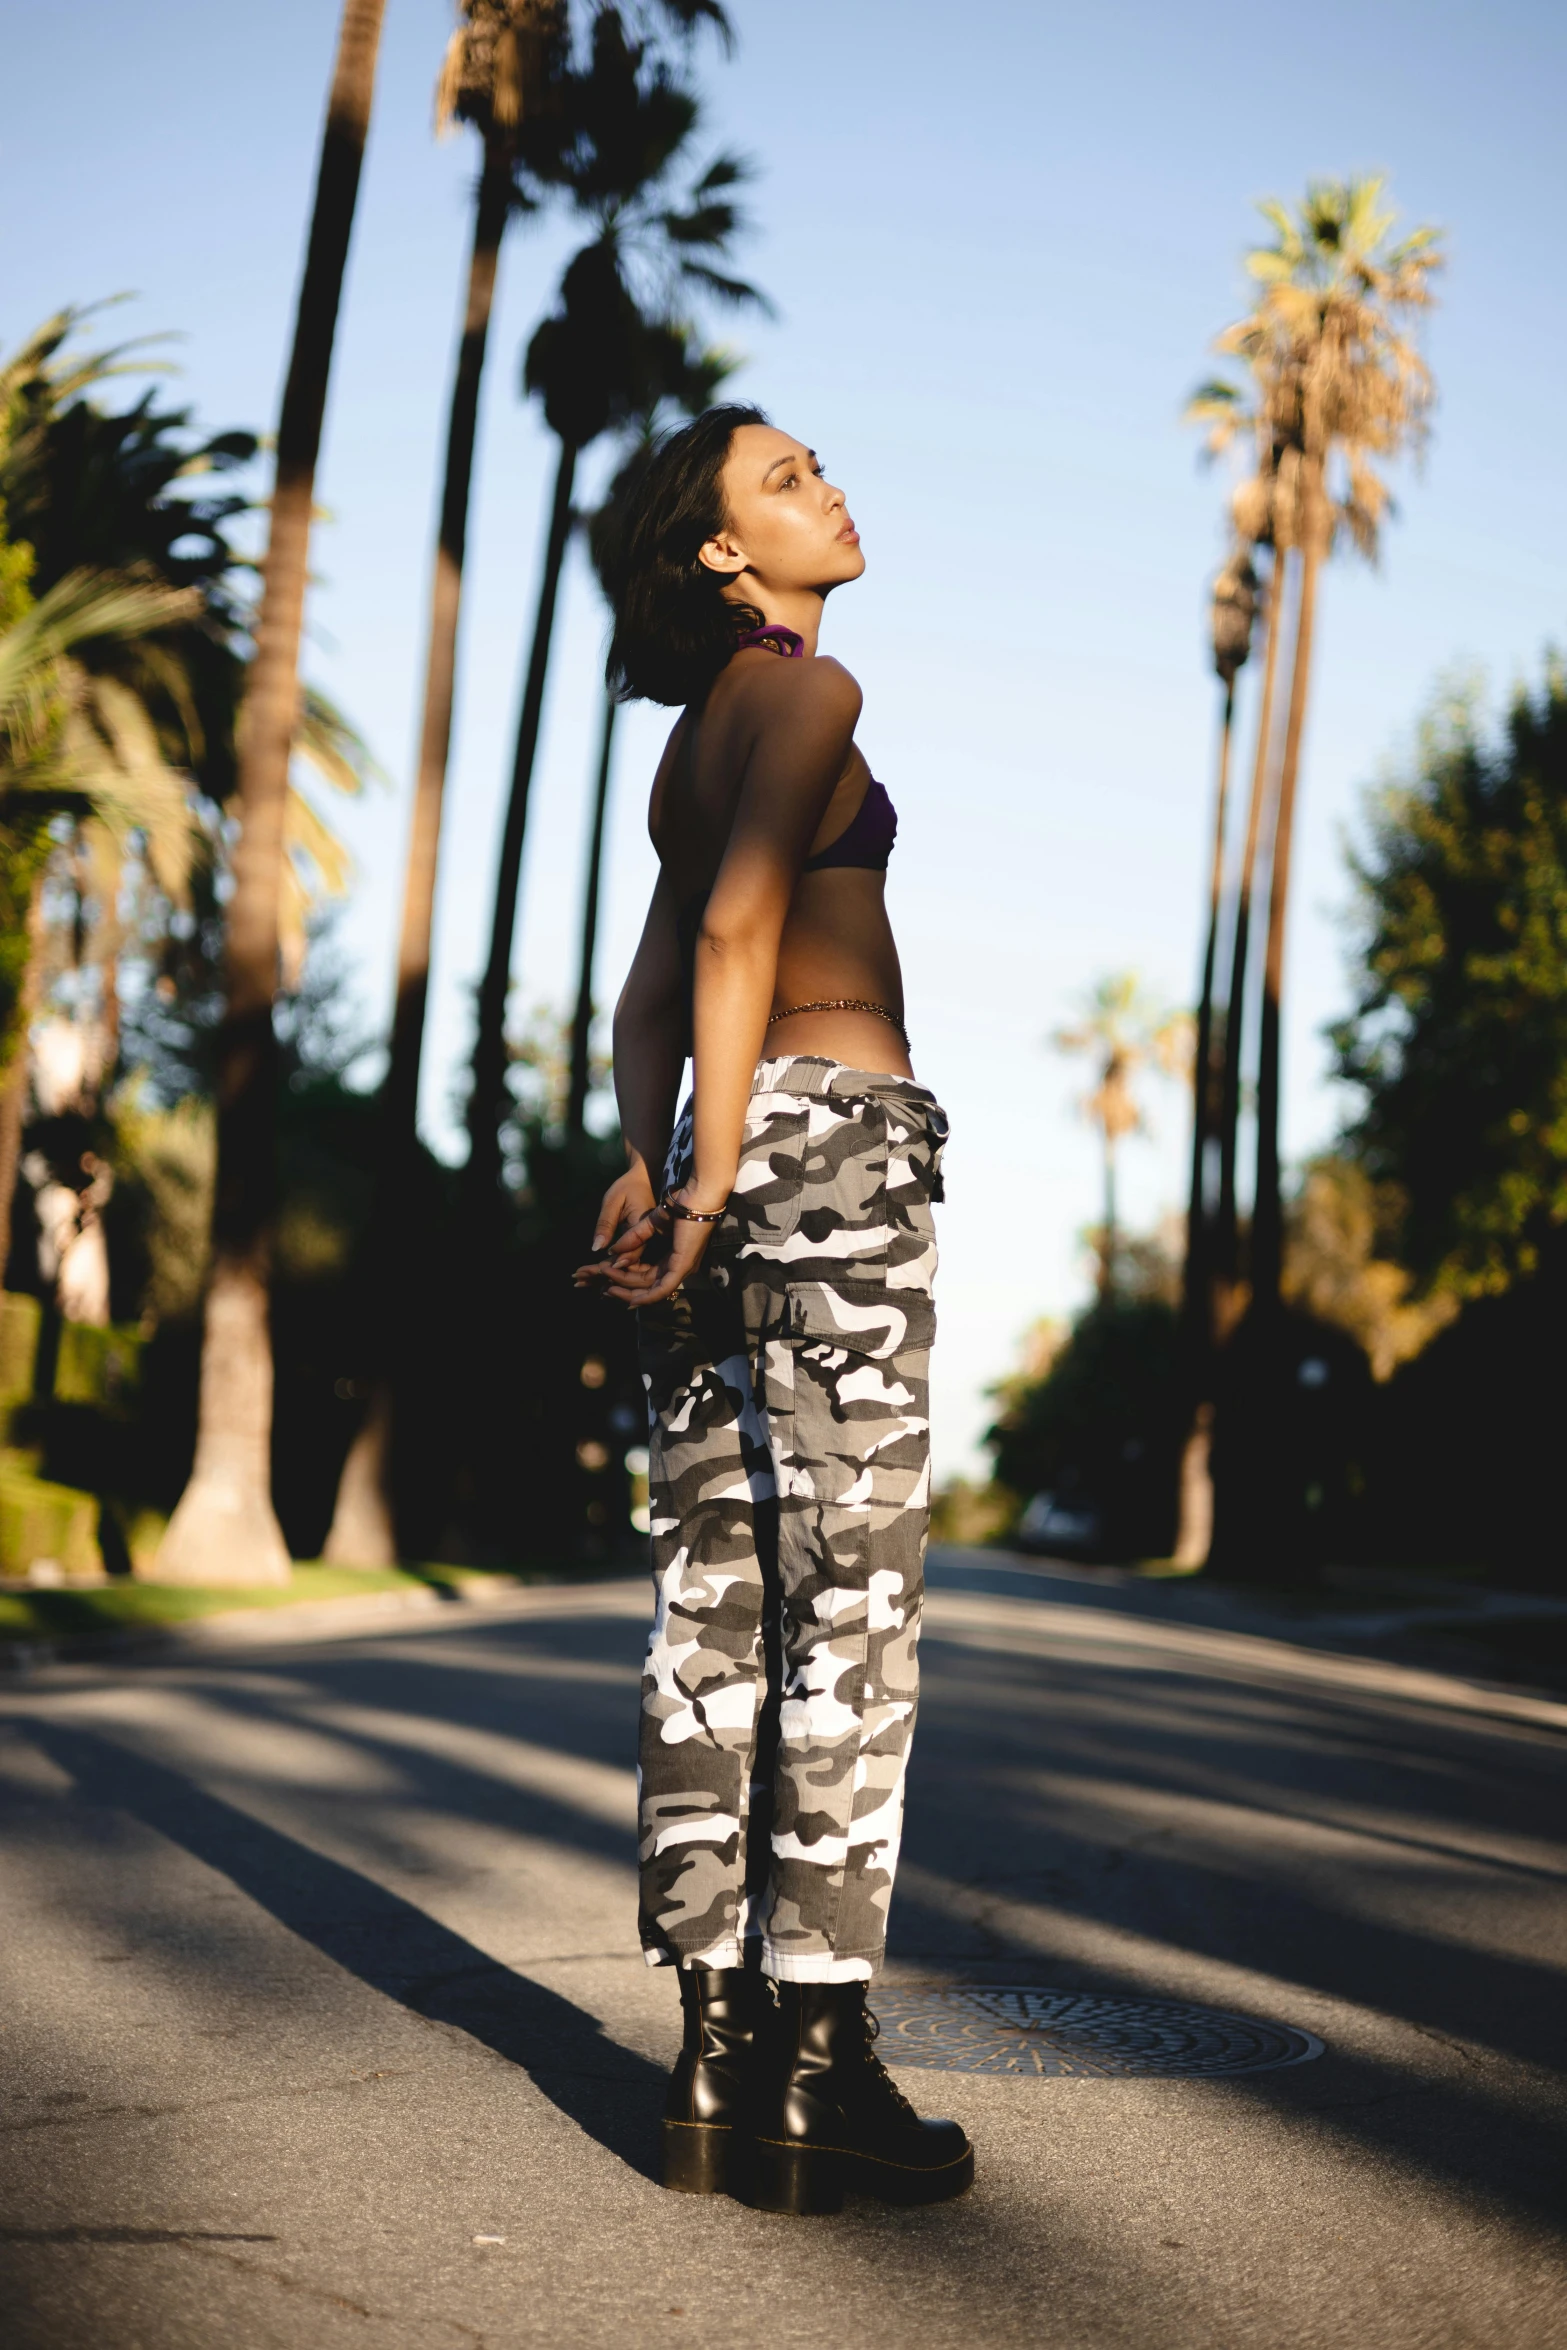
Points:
(862, 1317)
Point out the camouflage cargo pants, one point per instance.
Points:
(789, 1497)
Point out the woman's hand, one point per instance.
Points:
(627, 1273)
(626, 1202)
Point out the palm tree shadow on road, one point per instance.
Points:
(611, 2093)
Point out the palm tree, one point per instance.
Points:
(612, 349)
(1339, 386)
(1226, 1240)
(1262, 511)
(503, 74)
(1233, 612)
(1123, 1031)
(73, 745)
(582, 1015)
(133, 491)
(224, 1529)
(1234, 607)
(496, 72)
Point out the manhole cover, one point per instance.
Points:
(981, 2028)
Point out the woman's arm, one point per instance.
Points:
(801, 723)
(649, 1055)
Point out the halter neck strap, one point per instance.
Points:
(780, 640)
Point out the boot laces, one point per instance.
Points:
(878, 2071)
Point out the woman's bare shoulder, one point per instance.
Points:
(766, 687)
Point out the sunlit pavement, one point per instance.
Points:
(320, 1965)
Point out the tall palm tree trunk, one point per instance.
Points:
(224, 1529)
(13, 1111)
(487, 1097)
(14, 1078)
(363, 1530)
(582, 1021)
(1195, 1493)
(1226, 1248)
(1195, 1301)
(1108, 1237)
(1267, 1243)
(435, 733)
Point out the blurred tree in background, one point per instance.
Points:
(1343, 1265)
(80, 765)
(1091, 1439)
(1121, 1030)
(1457, 1047)
(1338, 388)
(224, 1528)
(1457, 1042)
(1408, 1393)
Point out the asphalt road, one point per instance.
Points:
(319, 1965)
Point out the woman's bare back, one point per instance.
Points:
(837, 941)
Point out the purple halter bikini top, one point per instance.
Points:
(867, 839)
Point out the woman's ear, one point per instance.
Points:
(723, 554)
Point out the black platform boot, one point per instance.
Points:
(839, 2121)
(712, 2089)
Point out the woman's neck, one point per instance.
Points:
(799, 609)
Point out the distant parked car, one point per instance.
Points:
(1070, 1529)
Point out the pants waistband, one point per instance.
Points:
(808, 1074)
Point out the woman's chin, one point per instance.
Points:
(849, 563)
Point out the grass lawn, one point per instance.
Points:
(117, 1606)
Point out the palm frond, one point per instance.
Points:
(725, 171)
(107, 759)
(85, 605)
(330, 743)
(316, 864)
(33, 361)
(704, 224)
(687, 15)
(1337, 378)
(736, 290)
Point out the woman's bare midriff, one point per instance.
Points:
(837, 942)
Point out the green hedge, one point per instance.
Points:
(101, 1367)
(19, 1319)
(43, 1521)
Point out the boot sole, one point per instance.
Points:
(806, 2180)
(698, 2157)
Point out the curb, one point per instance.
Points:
(307, 1619)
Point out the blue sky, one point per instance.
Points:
(1000, 240)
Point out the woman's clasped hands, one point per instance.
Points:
(642, 1250)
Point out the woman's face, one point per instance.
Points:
(788, 528)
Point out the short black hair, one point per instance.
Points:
(674, 630)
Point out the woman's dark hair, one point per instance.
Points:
(673, 629)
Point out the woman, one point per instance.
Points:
(781, 1269)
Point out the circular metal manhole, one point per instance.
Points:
(985, 2028)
